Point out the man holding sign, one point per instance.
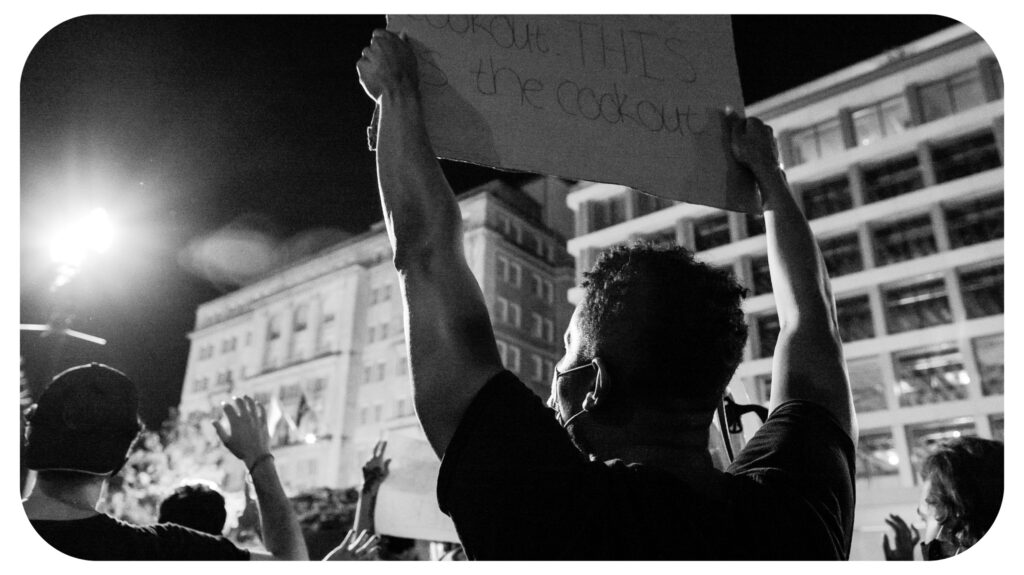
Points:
(621, 471)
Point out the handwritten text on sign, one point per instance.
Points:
(632, 100)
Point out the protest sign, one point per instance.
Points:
(632, 100)
(407, 500)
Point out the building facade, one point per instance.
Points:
(897, 163)
(321, 343)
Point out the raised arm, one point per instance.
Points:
(249, 441)
(374, 473)
(808, 361)
(452, 352)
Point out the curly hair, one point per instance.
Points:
(667, 324)
(966, 476)
(195, 505)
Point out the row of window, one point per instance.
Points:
(380, 294)
(510, 313)
(878, 456)
(403, 407)
(379, 372)
(511, 273)
(541, 368)
(890, 116)
(614, 210)
(907, 307)
(378, 332)
(924, 376)
(527, 239)
(966, 223)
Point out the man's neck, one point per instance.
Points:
(58, 502)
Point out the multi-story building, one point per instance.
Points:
(322, 344)
(898, 164)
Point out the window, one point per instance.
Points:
(767, 335)
(975, 222)
(711, 232)
(988, 354)
(923, 437)
(916, 306)
(818, 141)
(199, 384)
(273, 329)
(855, 318)
(503, 269)
(904, 240)
(876, 454)
(763, 387)
(402, 366)
(666, 237)
(367, 374)
(384, 331)
(867, 384)
(606, 213)
(516, 278)
(386, 295)
(538, 367)
(760, 276)
(950, 95)
(549, 368)
(827, 197)
(880, 120)
(381, 371)
(892, 178)
(501, 309)
(648, 204)
(537, 326)
(549, 292)
(400, 408)
(755, 225)
(965, 156)
(995, 423)
(536, 285)
(549, 331)
(364, 416)
(371, 334)
(378, 413)
(934, 374)
(515, 314)
(982, 291)
(513, 358)
(842, 254)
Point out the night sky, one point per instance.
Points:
(183, 126)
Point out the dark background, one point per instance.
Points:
(183, 125)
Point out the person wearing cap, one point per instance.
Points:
(79, 435)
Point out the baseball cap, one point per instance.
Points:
(85, 421)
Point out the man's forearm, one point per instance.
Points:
(281, 532)
(420, 210)
(799, 278)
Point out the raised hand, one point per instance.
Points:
(905, 540)
(248, 439)
(362, 547)
(387, 64)
(376, 469)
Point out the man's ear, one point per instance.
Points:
(601, 386)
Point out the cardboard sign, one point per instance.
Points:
(632, 100)
(407, 501)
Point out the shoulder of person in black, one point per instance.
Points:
(102, 537)
(505, 413)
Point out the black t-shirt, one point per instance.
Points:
(516, 488)
(102, 537)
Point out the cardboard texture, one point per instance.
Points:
(407, 501)
(633, 100)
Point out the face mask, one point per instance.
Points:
(937, 549)
(558, 414)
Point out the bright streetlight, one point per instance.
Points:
(72, 243)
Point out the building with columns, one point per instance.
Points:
(322, 344)
(897, 162)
